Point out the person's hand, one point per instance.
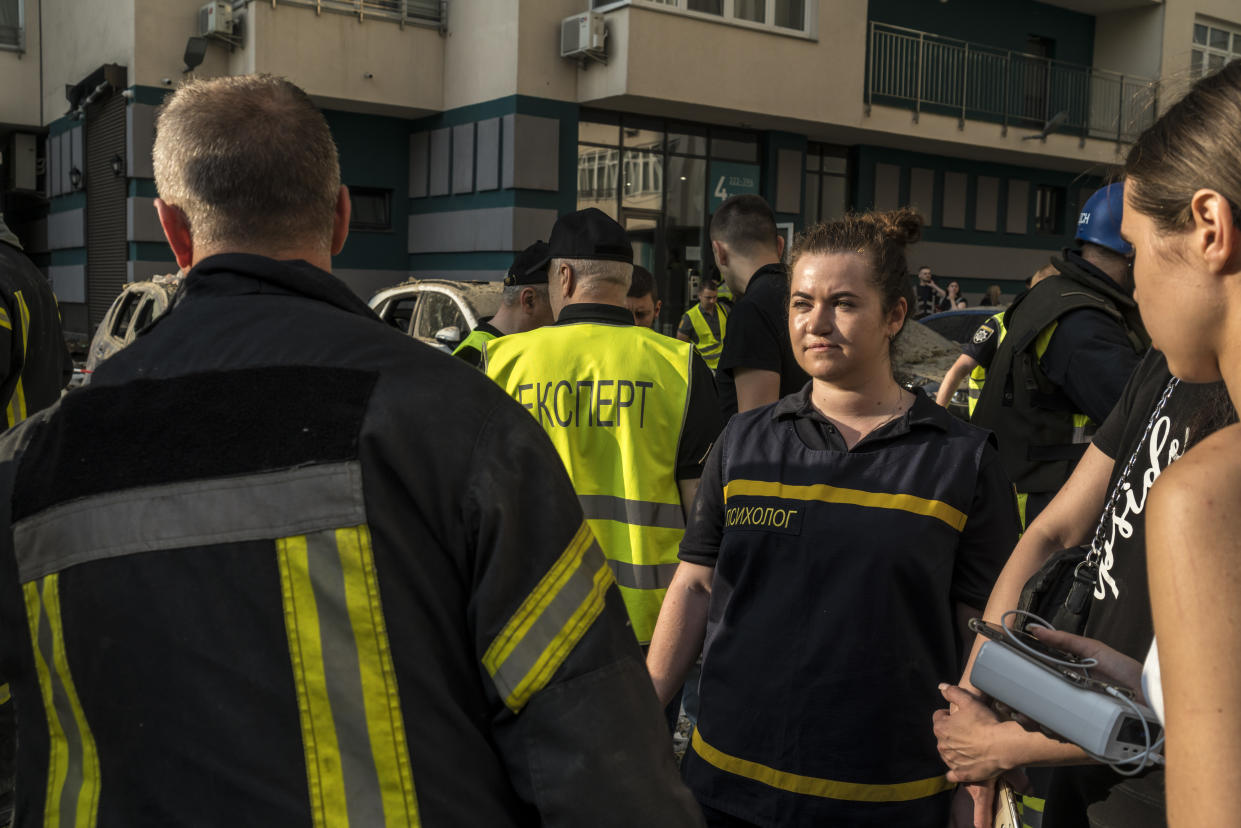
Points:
(1113, 666)
(973, 806)
(970, 734)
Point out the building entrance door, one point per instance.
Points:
(645, 229)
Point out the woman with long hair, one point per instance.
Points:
(1183, 217)
(839, 540)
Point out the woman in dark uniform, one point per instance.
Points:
(840, 538)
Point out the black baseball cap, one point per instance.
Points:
(530, 266)
(589, 234)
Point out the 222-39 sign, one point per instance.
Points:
(729, 179)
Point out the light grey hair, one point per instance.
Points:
(249, 161)
(597, 272)
(512, 293)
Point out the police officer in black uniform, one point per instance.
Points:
(1069, 346)
(523, 304)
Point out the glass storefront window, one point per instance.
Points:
(687, 179)
(734, 146)
(598, 171)
(687, 140)
(594, 132)
(643, 181)
(639, 135)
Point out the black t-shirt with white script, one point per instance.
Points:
(1121, 615)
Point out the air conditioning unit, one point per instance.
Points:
(215, 20)
(583, 35)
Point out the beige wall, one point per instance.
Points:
(677, 66)
(480, 51)
(79, 37)
(1178, 33)
(19, 90)
(162, 27)
(541, 71)
(328, 55)
(1130, 42)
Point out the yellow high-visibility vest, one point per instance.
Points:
(1083, 427)
(613, 401)
(978, 376)
(708, 345)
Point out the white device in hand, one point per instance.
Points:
(1100, 718)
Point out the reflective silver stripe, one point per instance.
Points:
(633, 512)
(344, 681)
(643, 576)
(194, 513)
(707, 351)
(549, 625)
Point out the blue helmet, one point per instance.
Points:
(1099, 222)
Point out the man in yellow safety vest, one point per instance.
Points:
(632, 413)
(704, 324)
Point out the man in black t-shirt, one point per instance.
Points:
(929, 297)
(1120, 614)
(757, 366)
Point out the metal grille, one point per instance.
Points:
(106, 250)
(929, 72)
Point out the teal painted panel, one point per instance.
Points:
(152, 95)
(460, 261)
(142, 188)
(151, 252)
(62, 125)
(76, 256)
(374, 152)
(727, 179)
(72, 201)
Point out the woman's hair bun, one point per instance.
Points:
(903, 225)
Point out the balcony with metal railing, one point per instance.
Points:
(416, 12)
(928, 72)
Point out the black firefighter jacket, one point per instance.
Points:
(281, 565)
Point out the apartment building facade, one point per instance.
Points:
(463, 132)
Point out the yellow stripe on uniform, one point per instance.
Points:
(353, 731)
(73, 778)
(16, 411)
(384, 722)
(835, 494)
(4, 320)
(550, 621)
(814, 786)
(327, 784)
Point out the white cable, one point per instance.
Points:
(1082, 665)
(1149, 755)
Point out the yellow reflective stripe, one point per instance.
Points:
(4, 319)
(856, 497)
(73, 780)
(57, 759)
(1034, 803)
(814, 786)
(384, 721)
(550, 621)
(6, 694)
(323, 763)
(16, 411)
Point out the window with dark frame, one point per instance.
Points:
(1049, 209)
(372, 209)
(827, 183)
